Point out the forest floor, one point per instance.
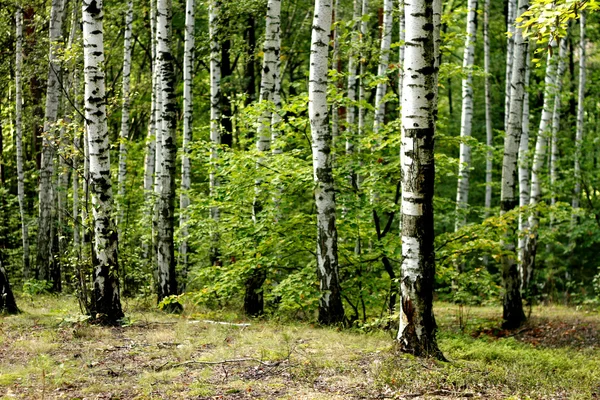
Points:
(47, 352)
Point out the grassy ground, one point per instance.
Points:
(46, 353)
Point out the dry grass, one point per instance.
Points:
(46, 354)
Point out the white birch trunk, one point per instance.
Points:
(125, 116)
(19, 141)
(556, 121)
(523, 170)
(106, 304)
(512, 304)
(462, 192)
(335, 117)
(215, 113)
(331, 310)
(417, 333)
(580, 114)
(489, 158)
(510, 45)
(544, 132)
(351, 107)
(364, 34)
(150, 156)
(384, 57)
(44, 246)
(188, 65)
(167, 283)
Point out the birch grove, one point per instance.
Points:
(362, 113)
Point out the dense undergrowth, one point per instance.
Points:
(51, 352)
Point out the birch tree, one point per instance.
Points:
(124, 136)
(188, 108)
(580, 114)
(464, 166)
(364, 32)
(150, 154)
(167, 283)
(510, 45)
(512, 303)
(331, 310)
(543, 134)
(489, 157)
(269, 85)
(523, 169)
(44, 259)
(556, 120)
(19, 140)
(384, 56)
(417, 332)
(215, 114)
(106, 304)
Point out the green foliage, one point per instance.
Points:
(547, 20)
(34, 287)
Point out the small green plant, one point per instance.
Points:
(172, 304)
(34, 287)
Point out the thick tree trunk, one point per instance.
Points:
(417, 333)
(167, 283)
(44, 259)
(331, 310)
(125, 117)
(512, 304)
(462, 192)
(188, 108)
(215, 117)
(489, 157)
(580, 115)
(19, 141)
(544, 132)
(106, 303)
